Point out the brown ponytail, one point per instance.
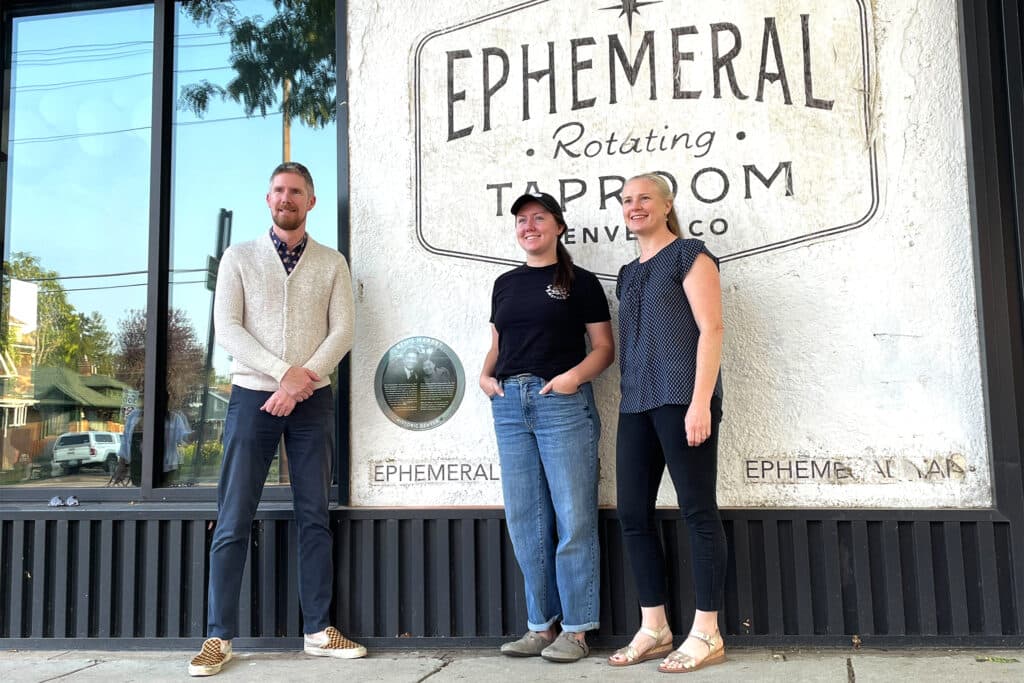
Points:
(564, 274)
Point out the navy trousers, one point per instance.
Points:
(251, 437)
(647, 443)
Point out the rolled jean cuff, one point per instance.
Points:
(543, 627)
(569, 628)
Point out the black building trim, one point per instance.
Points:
(161, 156)
(991, 36)
(342, 469)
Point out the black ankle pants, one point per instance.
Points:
(647, 442)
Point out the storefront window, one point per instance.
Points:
(75, 246)
(255, 86)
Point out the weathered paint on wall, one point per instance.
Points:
(851, 361)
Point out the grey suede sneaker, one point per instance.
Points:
(530, 645)
(566, 649)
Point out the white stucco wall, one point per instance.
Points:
(851, 361)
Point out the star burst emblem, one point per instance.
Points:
(629, 8)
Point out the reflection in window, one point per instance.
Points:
(256, 85)
(74, 253)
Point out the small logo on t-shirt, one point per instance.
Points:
(556, 292)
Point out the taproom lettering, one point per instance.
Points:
(757, 113)
(493, 65)
(707, 185)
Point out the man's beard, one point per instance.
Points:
(287, 222)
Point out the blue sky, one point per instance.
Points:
(78, 192)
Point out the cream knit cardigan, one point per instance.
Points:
(270, 321)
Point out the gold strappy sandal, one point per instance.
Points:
(686, 663)
(632, 655)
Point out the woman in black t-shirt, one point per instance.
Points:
(537, 374)
(670, 335)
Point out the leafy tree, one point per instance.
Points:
(290, 59)
(6, 335)
(57, 323)
(185, 355)
(95, 342)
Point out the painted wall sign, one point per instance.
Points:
(758, 114)
(816, 146)
(419, 383)
(878, 470)
(398, 472)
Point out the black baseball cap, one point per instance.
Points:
(547, 201)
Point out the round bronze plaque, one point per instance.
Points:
(419, 383)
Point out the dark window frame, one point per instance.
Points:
(158, 284)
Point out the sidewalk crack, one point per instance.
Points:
(446, 659)
(70, 673)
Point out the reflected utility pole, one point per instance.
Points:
(212, 263)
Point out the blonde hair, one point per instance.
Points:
(666, 193)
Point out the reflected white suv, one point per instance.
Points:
(77, 449)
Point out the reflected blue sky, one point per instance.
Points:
(78, 192)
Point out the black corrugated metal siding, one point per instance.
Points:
(449, 576)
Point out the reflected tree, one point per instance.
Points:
(63, 335)
(184, 354)
(95, 342)
(285, 63)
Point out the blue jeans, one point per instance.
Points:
(251, 437)
(547, 445)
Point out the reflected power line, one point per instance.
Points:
(54, 278)
(42, 87)
(138, 284)
(74, 136)
(105, 46)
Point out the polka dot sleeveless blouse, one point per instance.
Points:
(657, 331)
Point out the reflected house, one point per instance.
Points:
(215, 412)
(17, 358)
(16, 397)
(71, 401)
(58, 400)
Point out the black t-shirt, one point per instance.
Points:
(540, 328)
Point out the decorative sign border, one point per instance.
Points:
(781, 244)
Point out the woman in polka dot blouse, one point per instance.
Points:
(670, 339)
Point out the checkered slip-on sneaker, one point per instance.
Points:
(211, 658)
(333, 644)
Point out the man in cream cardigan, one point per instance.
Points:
(283, 310)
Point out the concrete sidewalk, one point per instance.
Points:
(443, 666)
